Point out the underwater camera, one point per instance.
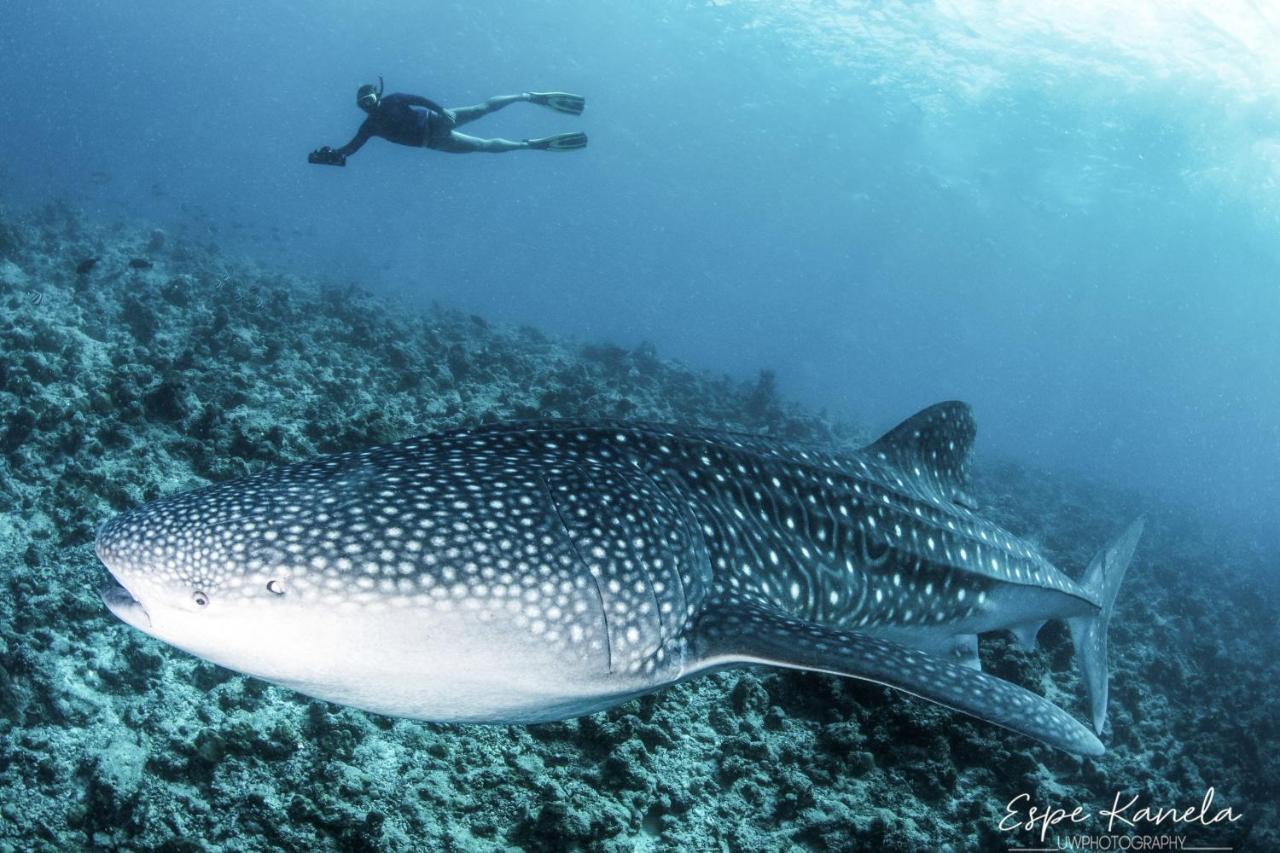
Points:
(326, 156)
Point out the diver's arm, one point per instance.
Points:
(361, 137)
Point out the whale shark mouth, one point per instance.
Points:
(122, 603)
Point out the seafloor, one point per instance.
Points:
(122, 384)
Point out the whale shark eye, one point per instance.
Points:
(200, 599)
(275, 586)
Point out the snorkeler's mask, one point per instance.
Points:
(367, 97)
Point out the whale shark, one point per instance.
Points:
(533, 571)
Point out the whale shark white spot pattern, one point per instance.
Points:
(532, 571)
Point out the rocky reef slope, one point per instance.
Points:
(167, 365)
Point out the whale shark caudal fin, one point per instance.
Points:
(733, 632)
(1089, 633)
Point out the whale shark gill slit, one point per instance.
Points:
(604, 611)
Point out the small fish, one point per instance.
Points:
(141, 264)
(86, 266)
(537, 571)
(254, 301)
(35, 297)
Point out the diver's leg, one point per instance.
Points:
(460, 143)
(462, 115)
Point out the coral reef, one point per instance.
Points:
(123, 381)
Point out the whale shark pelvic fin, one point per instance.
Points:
(1025, 634)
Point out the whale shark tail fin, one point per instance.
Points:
(1089, 633)
(730, 631)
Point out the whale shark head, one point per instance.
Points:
(399, 580)
(187, 573)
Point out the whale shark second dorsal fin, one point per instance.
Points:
(933, 446)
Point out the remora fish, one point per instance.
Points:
(527, 572)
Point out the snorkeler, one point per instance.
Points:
(421, 122)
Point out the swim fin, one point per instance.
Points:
(559, 101)
(559, 142)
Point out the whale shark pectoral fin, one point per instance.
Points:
(737, 632)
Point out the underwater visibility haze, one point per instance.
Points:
(515, 429)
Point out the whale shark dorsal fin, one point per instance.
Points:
(934, 446)
(732, 631)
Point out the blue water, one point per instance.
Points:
(1068, 218)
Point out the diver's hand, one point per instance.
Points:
(326, 156)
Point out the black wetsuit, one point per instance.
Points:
(403, 119)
